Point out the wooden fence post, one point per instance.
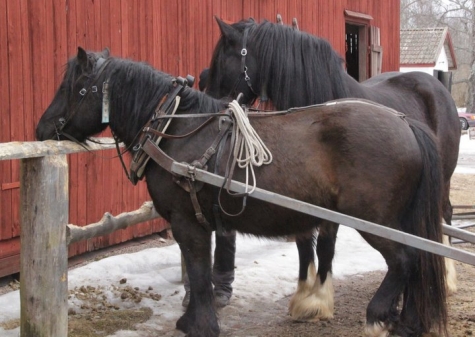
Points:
(44, 255)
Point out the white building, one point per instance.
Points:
(429, 50)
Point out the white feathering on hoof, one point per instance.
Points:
(313, 301)
(450, 273)
(378, 329)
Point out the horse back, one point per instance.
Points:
(417, 94)
(423, 98)
(349, 157)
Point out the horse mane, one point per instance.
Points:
(286, 54)
(136, 90)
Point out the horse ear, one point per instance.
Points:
(82, 58)
(228, 31)
(106, 52)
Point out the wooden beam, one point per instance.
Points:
(313, 210)
(19, 150)
(44, 254)
(110, 223)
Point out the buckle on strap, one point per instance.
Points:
(167, 106)
(197, 208)
(192, 172)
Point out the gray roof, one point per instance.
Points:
(423, 46)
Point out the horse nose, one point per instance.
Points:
(45, 131)
(39, 134)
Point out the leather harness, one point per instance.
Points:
(154, 131)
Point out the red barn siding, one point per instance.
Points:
(37, 37)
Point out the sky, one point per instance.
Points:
(263, 268)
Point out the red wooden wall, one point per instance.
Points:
(37, 37)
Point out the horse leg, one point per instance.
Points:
(409, 325)
(314, 298)
(223, 267)
(200, 317)
(381, 313)
(451, 274)
(307, 273)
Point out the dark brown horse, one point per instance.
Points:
(354, 157)
(292, 68)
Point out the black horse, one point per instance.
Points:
(350, 156)
(292, 68)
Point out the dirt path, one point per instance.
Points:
(351, 297)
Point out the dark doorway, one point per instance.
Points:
(352, 54)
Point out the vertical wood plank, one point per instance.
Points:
(117, 50)
(27, 83)
(156, 60)
(5, 166)
(44, 265)
(17, 129)
(71, 50)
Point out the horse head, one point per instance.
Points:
(233, 68)
(75, 111)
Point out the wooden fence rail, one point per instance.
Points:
(24, 150)
(44, 209)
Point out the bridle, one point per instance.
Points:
(244, 75)
(89, 87)
(243, 61)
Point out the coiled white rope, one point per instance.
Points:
(249, 149)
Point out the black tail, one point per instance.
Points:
(425, 217)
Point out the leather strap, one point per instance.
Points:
(196, 206)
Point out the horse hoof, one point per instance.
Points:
(450, 272)
(313, 302)
(183, 324)
(186, 300)
(221, 300)
(310, 309)
(378, 329)
(204, 331)
(308, 313)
